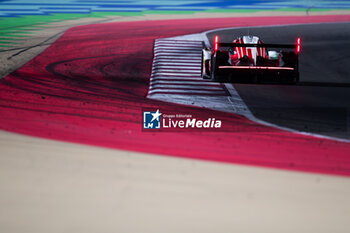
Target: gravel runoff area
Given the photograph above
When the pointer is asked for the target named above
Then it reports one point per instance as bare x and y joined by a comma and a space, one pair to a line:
51, 186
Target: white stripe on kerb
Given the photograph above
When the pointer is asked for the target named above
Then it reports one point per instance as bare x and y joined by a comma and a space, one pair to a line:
189, 54
179, 58
176, 71
197, 83
177, 61
199, 48
178, 74
153, 87
175, 78
176, 66
188, 91
172, 62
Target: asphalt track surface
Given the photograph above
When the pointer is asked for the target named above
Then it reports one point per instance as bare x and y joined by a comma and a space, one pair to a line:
89, 87
320, 102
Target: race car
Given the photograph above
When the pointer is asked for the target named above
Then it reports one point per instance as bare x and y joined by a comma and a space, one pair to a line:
247, 58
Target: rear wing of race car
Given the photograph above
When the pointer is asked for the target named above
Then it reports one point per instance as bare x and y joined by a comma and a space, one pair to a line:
296, 46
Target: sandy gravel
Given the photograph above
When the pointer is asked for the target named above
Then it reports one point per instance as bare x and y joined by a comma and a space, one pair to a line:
50, 186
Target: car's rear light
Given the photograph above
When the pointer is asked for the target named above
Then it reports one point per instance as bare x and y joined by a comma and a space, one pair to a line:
216, 43
298, 44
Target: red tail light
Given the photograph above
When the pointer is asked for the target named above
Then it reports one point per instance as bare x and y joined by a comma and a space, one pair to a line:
298, 44
216, 43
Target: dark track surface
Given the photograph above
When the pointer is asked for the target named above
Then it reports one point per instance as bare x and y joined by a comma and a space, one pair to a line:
320, 102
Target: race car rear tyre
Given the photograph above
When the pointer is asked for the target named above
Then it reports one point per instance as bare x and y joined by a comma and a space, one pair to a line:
205, 64
205, 70
213, 70
202, 61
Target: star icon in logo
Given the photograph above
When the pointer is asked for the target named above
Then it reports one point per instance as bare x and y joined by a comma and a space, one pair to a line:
156, 115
